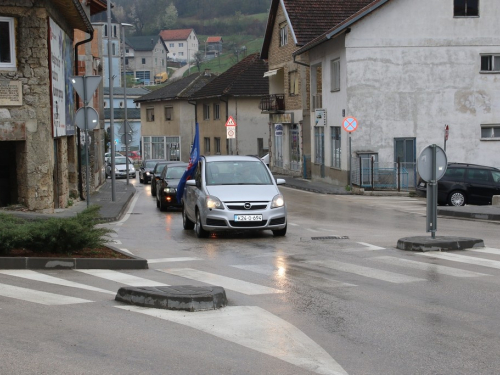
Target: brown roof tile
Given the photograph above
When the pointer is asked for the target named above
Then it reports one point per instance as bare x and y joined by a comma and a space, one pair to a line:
246, 78
181, 34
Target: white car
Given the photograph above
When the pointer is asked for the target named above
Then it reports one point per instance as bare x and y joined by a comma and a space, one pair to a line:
121, 168
233, 193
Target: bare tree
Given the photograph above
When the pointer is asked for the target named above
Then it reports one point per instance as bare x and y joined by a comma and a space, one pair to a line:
198, 59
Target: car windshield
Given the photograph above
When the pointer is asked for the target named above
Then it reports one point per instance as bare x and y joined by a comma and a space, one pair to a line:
237, 173
120, 160
151, 164
175, 173
159, 168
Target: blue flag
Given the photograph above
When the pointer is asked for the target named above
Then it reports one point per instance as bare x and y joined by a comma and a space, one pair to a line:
193, 163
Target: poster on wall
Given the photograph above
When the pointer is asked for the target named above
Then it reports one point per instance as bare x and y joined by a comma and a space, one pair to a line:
61, 67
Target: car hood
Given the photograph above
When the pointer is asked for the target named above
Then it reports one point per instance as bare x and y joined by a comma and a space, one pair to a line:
123, 167
172, 182
243, 192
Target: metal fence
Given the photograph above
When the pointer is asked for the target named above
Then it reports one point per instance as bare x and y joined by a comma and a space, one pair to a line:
369, 174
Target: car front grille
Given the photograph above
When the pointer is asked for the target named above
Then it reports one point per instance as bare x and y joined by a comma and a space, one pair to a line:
247, 224
216, 222
240, 206
277, 221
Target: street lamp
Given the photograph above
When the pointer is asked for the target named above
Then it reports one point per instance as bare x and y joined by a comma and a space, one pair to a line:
125, 119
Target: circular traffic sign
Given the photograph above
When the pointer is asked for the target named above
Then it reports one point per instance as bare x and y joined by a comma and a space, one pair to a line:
350, 124
424, 163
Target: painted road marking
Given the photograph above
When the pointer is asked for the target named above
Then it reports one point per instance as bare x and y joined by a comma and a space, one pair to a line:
37, 276
366, 271
428, 267
250, 326
130, 210
122, 278
36, 296
226, 282
463, 259
486, 250
180, 259
371, 247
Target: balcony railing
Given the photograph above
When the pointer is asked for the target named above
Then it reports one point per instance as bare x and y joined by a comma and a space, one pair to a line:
272, 103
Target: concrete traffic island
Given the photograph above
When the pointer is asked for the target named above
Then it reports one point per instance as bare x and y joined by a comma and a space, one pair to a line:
427, 243
181, 297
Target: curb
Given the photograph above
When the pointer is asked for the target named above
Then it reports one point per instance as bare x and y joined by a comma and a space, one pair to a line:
74, 263
469, 215
423, 244
120, 213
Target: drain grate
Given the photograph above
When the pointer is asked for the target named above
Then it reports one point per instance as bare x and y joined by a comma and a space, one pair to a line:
330, 238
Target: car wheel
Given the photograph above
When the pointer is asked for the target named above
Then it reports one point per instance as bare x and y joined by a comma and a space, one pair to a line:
163, 205
456, 198
200, 232
186, 223
279, 232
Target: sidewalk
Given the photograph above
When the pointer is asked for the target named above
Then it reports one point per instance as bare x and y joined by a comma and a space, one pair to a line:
110, 211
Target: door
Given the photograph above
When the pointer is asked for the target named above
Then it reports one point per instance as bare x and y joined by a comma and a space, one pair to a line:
480, 186
405, 152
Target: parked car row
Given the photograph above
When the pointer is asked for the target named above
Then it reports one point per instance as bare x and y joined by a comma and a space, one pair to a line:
466, 184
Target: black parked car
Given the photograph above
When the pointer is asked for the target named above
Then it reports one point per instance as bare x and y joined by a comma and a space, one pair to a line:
466, 184
166, 195
146, 168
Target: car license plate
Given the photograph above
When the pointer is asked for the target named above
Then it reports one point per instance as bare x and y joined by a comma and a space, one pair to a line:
247, 217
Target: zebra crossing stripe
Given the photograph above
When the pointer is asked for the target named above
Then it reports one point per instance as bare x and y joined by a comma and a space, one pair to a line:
180, 259
122, 278
37, 276
223, 281
486, 250
250, 327
463, 259
449, 271
366, 271
36, 296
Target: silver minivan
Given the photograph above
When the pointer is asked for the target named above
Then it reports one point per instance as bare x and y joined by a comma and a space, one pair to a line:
233, 193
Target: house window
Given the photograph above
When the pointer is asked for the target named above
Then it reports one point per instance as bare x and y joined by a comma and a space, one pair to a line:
283, 34
181, 44
207, 145
335, 146
171, 45
7, 43
490, 132
206, 112
126, 50
168, 113
150, 114
293, 83
143, 60
466, 8
105, 30
335, 75
114, 30
217, 146
490, 63
181, 53
216, 111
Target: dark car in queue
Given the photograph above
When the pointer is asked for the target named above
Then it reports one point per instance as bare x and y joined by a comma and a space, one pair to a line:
466, 184
146, 169
155, 175
166, 194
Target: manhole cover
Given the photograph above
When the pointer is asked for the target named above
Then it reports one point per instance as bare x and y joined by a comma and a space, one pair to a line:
330, 238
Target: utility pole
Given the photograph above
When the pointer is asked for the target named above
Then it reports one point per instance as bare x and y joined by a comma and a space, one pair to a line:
111, 105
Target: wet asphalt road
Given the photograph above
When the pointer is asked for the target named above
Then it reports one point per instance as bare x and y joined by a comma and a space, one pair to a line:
334, 296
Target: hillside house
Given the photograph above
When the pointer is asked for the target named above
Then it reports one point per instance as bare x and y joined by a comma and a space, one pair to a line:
182, 44
145, 57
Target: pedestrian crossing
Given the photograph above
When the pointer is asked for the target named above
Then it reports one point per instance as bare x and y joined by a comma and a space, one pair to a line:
388, 267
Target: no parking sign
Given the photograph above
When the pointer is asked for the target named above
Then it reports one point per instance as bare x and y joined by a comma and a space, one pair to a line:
350, 124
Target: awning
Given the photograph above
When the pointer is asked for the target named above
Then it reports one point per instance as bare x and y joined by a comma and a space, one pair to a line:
270, 73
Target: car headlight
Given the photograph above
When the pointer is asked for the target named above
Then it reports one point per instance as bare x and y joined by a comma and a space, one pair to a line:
278, 201
214, 202
170, 190
147, 173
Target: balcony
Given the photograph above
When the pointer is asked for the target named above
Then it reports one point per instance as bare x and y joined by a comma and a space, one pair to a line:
272, 103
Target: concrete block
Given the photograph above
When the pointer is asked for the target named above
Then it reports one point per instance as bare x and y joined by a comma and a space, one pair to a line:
496, 200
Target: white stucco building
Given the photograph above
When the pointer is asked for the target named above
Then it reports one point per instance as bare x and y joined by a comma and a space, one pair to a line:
406, 69
182, 44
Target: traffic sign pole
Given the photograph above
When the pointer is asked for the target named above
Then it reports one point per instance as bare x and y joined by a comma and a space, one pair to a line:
87, 169
350, 124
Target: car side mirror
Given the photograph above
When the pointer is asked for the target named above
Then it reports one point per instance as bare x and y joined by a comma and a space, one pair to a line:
280, 181
191, 183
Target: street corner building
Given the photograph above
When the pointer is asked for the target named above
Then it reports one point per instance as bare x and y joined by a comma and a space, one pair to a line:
39, 157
